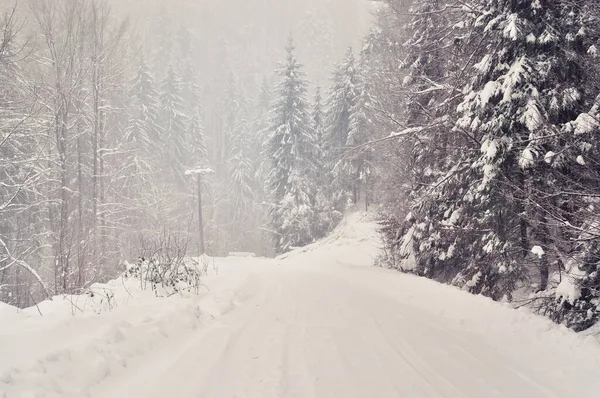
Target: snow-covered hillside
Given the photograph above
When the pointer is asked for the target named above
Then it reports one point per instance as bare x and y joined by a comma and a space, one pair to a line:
319, 322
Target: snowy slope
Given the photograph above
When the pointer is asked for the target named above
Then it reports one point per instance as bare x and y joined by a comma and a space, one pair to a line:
315, 323
80, 341
354, 241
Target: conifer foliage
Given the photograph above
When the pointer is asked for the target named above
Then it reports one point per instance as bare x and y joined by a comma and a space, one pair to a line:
173, 117
326, 216
340, 104
293, 152
498, 98
143, 128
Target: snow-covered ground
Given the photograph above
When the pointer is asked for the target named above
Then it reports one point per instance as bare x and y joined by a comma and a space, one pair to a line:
315, 323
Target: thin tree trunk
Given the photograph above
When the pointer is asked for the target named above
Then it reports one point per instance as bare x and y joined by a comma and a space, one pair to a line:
367, 198
544, 263
80, 255
62, 258
200, 219
523, 234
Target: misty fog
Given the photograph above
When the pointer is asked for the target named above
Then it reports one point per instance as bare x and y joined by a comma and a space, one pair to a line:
111, 104
254, 32
145, 143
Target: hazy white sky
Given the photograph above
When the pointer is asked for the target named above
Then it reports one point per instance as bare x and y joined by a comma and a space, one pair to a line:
256, 30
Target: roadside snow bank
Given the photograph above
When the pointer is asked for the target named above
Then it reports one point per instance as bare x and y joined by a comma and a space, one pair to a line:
355, 242
81, 339
508, 330
10, 314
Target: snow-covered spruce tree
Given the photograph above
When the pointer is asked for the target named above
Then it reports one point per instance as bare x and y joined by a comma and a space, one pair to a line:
143, 129
230, 107
383, 67
173, 120
527, 81
341, 101
196, 134
242, 185
565, 186
175, 203
260, 132
222, 226
326, 216
318, 120
422, 231
142, 154
190, 90
360, 155
240, 165
292, 150
261, 164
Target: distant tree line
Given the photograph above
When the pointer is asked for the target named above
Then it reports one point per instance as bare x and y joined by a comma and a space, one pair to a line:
101, 119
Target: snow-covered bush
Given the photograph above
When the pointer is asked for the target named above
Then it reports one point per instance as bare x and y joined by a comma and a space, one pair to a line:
397, 250
575, 301
164, 267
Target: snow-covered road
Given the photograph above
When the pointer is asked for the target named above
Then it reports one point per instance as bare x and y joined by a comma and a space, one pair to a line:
325, 333
320, 323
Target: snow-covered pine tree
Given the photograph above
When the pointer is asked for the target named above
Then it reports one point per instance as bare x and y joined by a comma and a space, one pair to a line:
564, 177
229, 109
361, 155
382, 59
224, 118
261, 164
528, 80
318, 121
143, 129
292, 150
177, 156
191, 110
260, 132
326, 216
196, 134
173, 120
341, 101
433, 155
143, 143
240, 166
242, 186
190, 90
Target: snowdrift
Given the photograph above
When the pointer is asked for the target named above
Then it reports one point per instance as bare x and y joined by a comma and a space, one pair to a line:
80, 340
82, 344
354, 241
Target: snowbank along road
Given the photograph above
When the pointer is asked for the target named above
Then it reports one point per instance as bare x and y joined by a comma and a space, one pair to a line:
317, 323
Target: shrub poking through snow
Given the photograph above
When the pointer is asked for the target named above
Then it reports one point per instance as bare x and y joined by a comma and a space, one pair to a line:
164, 267
576, 301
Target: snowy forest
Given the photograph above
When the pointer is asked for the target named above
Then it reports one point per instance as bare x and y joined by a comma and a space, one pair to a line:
470, 126
109, 110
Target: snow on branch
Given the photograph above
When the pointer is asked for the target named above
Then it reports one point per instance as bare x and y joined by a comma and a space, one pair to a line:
200, 171
23, 264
